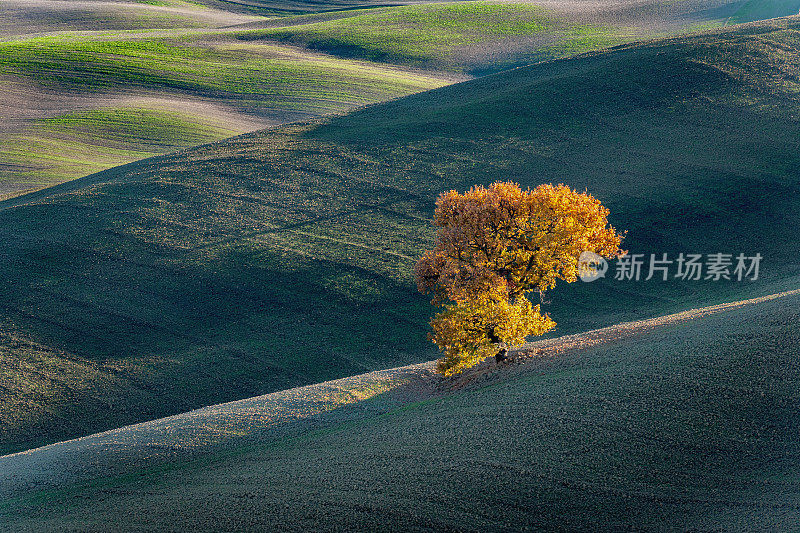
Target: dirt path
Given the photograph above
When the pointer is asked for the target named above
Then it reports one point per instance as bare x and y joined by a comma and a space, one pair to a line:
288, 412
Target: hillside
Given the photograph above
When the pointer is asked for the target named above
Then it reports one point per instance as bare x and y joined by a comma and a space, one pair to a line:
479, 37
284, 257
472, 37
77, 104
684, 422
25, 18
85, 86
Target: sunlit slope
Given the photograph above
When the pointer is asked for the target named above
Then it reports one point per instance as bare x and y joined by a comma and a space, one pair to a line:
460, 36
79, 104
215, 69
20, 18
691, 425
284, 257
209, 70
489, 36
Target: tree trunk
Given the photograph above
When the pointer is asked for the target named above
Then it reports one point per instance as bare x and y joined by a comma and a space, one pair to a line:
502, 355
493, 338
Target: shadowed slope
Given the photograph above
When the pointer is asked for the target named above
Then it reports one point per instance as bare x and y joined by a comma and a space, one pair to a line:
753, 10
685, 422
284, 257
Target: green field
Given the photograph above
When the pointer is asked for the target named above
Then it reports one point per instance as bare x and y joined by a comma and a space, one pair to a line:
83, 142
453, 36
273, 77
247, 65
132, 126
688, 426
753, 10
188, 91
480, 37
284, 257
20, 18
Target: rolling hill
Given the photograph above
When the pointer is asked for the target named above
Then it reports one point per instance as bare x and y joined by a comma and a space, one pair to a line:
26, 18
472, 37
77, 104
90, 85
685, 422
480, 37
283, 257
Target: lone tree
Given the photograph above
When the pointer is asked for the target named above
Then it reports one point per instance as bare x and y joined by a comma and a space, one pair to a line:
495, 245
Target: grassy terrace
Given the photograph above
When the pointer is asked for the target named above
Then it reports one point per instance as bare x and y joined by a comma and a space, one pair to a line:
284, 257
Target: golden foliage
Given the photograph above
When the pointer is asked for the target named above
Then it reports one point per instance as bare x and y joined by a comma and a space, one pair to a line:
461, 328
494, 245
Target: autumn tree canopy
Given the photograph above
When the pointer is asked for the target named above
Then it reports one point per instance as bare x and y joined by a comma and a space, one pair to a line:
494, 246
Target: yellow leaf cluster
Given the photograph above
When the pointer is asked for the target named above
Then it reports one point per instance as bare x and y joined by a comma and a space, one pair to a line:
495, 244
461, 329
